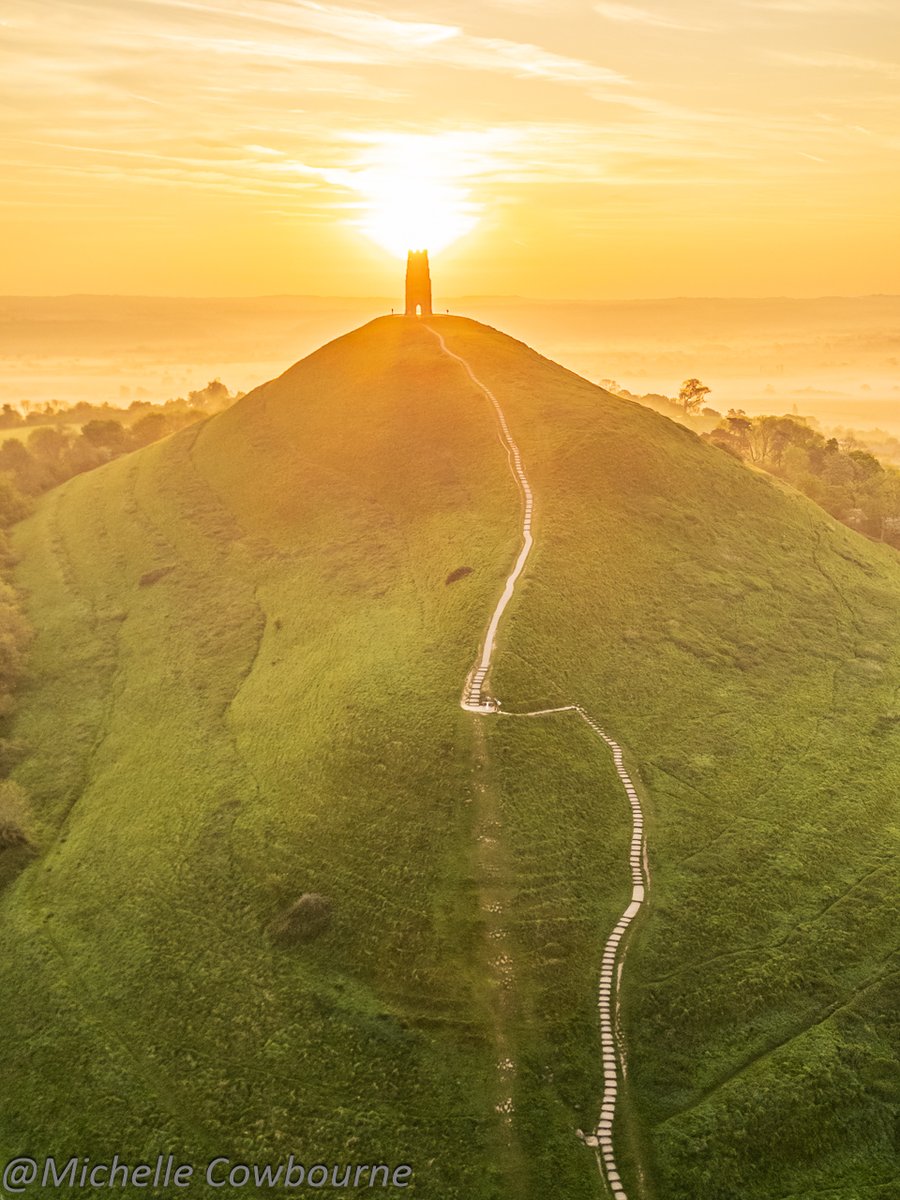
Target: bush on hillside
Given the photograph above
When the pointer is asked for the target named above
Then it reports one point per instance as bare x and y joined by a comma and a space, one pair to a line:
154, 576
305, 920
151, 428
111, 435
13, 505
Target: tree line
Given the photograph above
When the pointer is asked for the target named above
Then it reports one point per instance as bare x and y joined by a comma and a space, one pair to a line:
839, 473
846, 480
62, 442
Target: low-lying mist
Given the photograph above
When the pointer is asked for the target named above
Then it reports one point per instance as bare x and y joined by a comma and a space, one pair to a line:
834, 359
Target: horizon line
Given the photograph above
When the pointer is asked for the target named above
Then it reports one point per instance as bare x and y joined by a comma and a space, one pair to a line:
465, 296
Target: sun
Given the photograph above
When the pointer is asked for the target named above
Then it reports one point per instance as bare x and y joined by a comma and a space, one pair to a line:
406, 212
414, 195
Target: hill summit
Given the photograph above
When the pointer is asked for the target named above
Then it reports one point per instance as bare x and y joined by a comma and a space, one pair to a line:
275, 859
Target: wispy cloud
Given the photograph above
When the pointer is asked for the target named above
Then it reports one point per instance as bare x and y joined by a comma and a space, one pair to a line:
630, 14
342, 34
830, 60
109, 63
815, 8
331, 20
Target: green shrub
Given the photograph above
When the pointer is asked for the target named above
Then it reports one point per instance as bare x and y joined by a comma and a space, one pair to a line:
305, 920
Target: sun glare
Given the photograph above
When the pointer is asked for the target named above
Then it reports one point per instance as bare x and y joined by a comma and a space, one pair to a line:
414, 196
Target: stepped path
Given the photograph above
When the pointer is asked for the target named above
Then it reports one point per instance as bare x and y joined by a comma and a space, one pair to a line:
476, 699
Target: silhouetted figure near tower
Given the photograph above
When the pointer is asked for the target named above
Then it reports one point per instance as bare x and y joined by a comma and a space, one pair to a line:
418, 284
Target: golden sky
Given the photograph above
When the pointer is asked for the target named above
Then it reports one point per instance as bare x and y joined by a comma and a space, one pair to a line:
246, 147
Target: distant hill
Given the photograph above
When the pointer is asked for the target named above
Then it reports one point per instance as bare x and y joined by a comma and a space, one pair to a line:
254, 923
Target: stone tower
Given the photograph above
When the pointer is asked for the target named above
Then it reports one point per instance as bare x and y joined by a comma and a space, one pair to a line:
418, 284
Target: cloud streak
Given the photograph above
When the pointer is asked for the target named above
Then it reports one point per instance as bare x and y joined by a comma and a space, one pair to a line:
828, 60
818, 8
629, 14
332, 33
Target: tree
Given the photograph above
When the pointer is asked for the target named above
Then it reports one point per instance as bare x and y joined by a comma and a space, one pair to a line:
150, 428
610, 385
10, 417
738, 425
212, 398
13, 505
26, 472
48, 447
883, 505
692, 395
108, 434
48, 444
865, 465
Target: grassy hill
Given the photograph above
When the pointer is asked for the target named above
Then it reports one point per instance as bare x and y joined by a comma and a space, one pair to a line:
245, 690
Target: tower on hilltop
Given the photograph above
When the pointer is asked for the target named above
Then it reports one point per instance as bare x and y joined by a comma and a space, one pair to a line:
418, 284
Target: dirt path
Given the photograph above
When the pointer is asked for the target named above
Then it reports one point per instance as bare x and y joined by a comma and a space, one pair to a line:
476, 699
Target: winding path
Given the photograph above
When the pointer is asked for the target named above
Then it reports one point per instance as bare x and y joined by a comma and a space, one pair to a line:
476, 699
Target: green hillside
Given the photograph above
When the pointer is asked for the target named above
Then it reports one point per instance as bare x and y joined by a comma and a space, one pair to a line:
245, 689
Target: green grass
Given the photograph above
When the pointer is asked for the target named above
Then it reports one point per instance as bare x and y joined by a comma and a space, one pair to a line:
277, 713
744, 648
564, 822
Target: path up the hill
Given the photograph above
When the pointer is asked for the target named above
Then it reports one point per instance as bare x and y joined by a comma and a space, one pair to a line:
476, 699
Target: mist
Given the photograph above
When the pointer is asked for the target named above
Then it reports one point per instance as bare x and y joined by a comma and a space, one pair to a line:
835, 360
